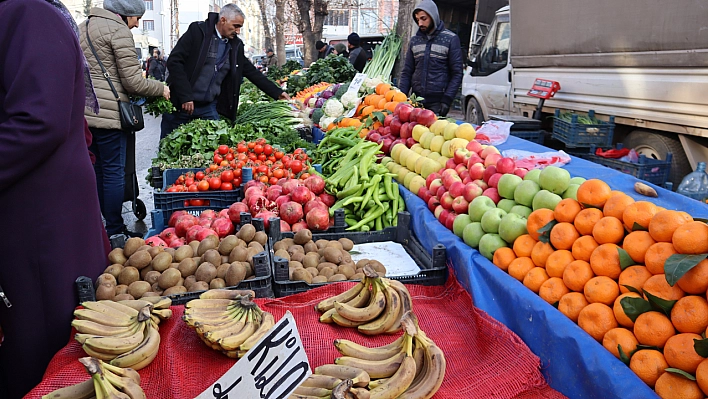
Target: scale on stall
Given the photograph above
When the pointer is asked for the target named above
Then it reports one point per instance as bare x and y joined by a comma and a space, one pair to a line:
530, 128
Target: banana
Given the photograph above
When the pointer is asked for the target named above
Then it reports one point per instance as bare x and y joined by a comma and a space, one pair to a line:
163, 314
227, 294
398, 382
123, 308
326, 317
106, 390
389, 316
361, 299
102, 318
117, 345
374, 383
434, 374
193, 319
344, 322
203, 328
360, 393
341, 391
123, 372
136, 304
419, 357
406, 298
267, 322
375, 368
98, 355
93, 328
359, 377
296, 396
82, 390
345, 296
125, 384
160, 302
396, 326
312, 391
321, 381
102, 307
211, 303
228, 329
147, 349
350, 348
232, 342
376, 306
81, 338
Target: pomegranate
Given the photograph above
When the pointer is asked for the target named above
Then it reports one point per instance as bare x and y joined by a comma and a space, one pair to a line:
168, 235
203, 233
316, 184
208, 214
183, 223
266, 216
281, 200
290, 185
205, 222
252, 201
284, 226
224, 213
273, 192
310, 205
192, 233
174, 216
282, 181
253, 192
254, 183
178, 242
291, 212
298, 226
328, 199
223, 227
318, 219
235, 211
301, 195
156, 241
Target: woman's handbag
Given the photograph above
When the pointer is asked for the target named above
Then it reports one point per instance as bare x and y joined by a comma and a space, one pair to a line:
131, 115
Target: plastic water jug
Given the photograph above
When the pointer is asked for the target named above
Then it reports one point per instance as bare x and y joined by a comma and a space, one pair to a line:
695, 184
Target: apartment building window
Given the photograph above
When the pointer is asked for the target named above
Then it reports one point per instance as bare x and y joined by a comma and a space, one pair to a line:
148, 4
337, 18
148, 24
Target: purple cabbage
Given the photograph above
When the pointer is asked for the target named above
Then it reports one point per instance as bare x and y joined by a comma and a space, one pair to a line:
320, 102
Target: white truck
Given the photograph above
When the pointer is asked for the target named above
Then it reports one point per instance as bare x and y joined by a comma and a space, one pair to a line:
644, 62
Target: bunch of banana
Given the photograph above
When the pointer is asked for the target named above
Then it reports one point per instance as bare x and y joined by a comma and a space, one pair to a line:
124, 333
374, 306
332, 379
107, 381
228, 321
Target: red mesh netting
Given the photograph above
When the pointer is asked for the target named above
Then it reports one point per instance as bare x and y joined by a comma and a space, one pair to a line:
484, 358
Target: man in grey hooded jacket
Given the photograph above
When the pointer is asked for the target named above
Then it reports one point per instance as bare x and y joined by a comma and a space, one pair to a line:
433, 67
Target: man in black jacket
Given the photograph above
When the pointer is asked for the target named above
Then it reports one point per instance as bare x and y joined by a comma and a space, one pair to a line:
323, 49
206, 68
357, 55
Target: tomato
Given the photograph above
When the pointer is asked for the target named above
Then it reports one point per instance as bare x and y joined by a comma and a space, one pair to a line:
267, 149
199, 176
203, 185
263, 179
188, 181
180, 179
296, 166
171, 189
242, 157
251, 145
223, 149
186, 203
252, 156
237, 172
273, 181
213, 167
218, 158
192, 188
262, 169
236, 182
271, 158
227, 176
258, 149
224, 163
226, 186
229, 157
241, 148
196, 202
262, 157
304, 176
278, 154
214, 183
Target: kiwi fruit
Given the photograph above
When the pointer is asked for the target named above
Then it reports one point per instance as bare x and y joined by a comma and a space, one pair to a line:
261, 237
205, 272
310, 247
346, 243
169, 278
318, 279
123, 297
138, 288
298, 257
174, 290
283, 254
121, 289
256, 245
327, 272
302, 237
321, 243
302, 275
195, 247
322, 265
357, 276
295, 265
346, 270
311, 260
105, 291
117, 256
346, 257
155, 288
222, 269
288, 242
170, 251
334, 244
114, 269
280, 245
238, 254
250, 271
144, 247
212, 256
246, 233
183, 252
333, 255
174, 265
199, 286
189, 282
132, 245
378, 266
149, 294
361, 263
161, 262
313, 271
153, 251
140, 259
210, 242
128, 275
236, 273
187, 267
151, 277
227, 244
145, 270
106, 278
338, 277
296, 248
217, 283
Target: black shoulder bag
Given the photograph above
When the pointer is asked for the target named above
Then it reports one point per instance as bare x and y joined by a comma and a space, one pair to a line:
131, 115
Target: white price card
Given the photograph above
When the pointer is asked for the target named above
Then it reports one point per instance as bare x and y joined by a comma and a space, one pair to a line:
272, 369
356, 83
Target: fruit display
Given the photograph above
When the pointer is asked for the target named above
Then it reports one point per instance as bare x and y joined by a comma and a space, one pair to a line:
122, 333
228, 321
374, 306
224, 178
321, 261
107, 381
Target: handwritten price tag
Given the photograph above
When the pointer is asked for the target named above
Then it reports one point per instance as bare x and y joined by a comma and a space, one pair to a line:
272, 369
356, 82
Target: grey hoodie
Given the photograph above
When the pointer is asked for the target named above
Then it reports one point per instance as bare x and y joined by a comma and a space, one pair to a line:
432, 10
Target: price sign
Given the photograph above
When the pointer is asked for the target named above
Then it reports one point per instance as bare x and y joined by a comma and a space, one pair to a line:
356, 83
272, 369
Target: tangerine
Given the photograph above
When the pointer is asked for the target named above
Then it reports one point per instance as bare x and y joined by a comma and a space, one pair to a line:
535, 278
633, 276
656, 256
690, 314
674, 386
519, 267
653, 328
586, 219
571, 304
605, 261
502, 257
620, 337
618, 310
552, 290
601, 289
639, 213
593, 193
540, 253
597, 319
659, 287
664, 223
608, 230
537, 220
695, 281
566, 210
523, 245
616, 204
583, 247
680, 354
691, 238
636, 244
648, 365
563, 235
557, 261
577, 274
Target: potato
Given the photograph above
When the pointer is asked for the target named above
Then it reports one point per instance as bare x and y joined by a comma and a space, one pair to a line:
235, 274
153, 251
123, 297
283, 254
187, 267
117, 256
132, 245
212, 256
128, 275
183, 252
169, 278
121, 289
199, 286
302, 237
140, 259
189, 282
346, 243
210, 242
227, 244
313, 271
138, 288
105, 291
338, 277
302, 275
333, 255
217, 283
246, 233
319, 279
114, 269
261, 237
174, 290
161, 261
222, 269
205, 272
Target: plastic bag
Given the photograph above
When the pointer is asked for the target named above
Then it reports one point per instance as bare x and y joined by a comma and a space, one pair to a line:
632, 157
537, 160
494, 132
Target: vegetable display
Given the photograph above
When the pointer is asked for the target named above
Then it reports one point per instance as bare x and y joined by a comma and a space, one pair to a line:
385, 55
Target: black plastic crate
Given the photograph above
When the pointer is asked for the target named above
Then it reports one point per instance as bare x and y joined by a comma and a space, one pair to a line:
433, 267
651, 170
156, 177
536, 136
173, 201
575, 134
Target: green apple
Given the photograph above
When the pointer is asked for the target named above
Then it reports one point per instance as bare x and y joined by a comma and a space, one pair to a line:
571, 192
479, 206
524, 192
506, 205
577, 180
511, 227
533, 175
546, 199
523, 211
554, 179
472, 233
491, 220
507, 184
489, 243
461, 221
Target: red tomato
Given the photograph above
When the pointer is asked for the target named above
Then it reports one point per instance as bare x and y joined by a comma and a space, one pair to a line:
226, 186
199, 175
251, 145
242, 157
229, 157
171, 189
262, 157
223, 149
192, 188
241, 148
271, 158
252, 156
188, 181
279, 173
267, 149
237, 172
218, 158
279, 154
296, 166
258, 149
180, 179
236, 182
214, 183
263, 179
213, 166
196, 202
227, 176
203, 185
262, 169
273, 181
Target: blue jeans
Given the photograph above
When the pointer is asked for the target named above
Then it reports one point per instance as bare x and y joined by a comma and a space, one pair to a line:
172, 121
108, 146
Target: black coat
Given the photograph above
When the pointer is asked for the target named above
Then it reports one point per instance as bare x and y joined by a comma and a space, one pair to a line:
358, 58
189, 55
157, 68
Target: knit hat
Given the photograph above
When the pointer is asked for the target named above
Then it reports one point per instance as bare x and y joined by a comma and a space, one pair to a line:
319, 44
340, 47
126, 8
270, 50
353, 39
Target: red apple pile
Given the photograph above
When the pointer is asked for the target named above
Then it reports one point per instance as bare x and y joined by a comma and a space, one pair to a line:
398, 126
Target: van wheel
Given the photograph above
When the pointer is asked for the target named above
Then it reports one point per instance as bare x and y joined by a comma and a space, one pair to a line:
656, 146
473, 113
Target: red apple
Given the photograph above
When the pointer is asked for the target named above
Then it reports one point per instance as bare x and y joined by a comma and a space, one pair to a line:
438, 211
461, 156
459, 168
474, 146
396, 126
521, 172
491, 159
489, 172
493, 194
442, 190
404, 112
472, 191
446, 200
494, 180
456, 189
435, 185
433, 203
474, 158
450, 164
476, 170
506, 165
449, 179
387, 120
467, 180
431, 177
426, 117
449, 220
415, 114
481, 183
460, 205
442, 217
465, 174
424, 194
410, 142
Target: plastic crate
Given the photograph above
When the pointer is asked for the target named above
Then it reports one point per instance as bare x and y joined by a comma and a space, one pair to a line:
274, 233
574, 134
172, 201
156, 177
648, 169
433, 267
536, 136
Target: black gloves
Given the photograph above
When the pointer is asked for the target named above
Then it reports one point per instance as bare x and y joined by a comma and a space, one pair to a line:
444, 109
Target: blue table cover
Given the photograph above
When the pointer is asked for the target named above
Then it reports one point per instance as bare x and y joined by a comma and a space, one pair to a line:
572, 362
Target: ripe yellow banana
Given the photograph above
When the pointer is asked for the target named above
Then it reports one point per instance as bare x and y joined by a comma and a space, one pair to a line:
211, 303
232, 342
159, 302
350, 348
108, 310
147, 349
296, 396
228, 329
105, 319
93, 328
267, 322
375, 368
376, 305
432, 380
312, 391
117, 345
203, 318
227, 294
375, 383
321, 381
389, 315
98, 355
136, 304
81, 338
398, 382
360, 393
163, 314
122, 307
326, 317
82, 390
203, 328
345, 296
123, 372
359, 377
406, 298
125, 384
344, 322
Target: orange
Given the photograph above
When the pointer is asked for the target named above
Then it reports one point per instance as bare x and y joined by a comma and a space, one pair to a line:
382, 88
702, 376
523, 245
674, 386
633, 276
679, 352
639, 212
605, 261
636, 244
519, 267
535, 278
648, 365
540, 253
388, 95
656, 255
657, 286
366, 111
601, 289
653, 328
381, 104
571, 304
566, 210
608, 230
616, 204
621, 317
597, 319
586, 219
391, 106
583, 247
593, 193
577, 274
691, 238
503, 256
563, 235
400, 97
536, 220
690, 314
664, 223
557, 261
552, 290
695, 281
620, 337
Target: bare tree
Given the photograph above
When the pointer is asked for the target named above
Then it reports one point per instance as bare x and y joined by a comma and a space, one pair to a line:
280, 23
268, 33
311, 26
404, 29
